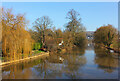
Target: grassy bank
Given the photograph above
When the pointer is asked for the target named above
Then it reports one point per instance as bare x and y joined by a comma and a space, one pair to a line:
33, 56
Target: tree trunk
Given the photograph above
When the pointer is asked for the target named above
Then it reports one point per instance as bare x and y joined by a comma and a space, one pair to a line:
43, 42
4, 48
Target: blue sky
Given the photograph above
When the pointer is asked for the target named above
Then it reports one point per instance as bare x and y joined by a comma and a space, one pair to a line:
93, 14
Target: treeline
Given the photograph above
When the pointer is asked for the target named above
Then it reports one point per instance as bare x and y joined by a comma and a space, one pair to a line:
74, 34
18, 42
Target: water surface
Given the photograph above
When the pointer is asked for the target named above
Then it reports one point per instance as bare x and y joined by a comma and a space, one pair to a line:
88, 63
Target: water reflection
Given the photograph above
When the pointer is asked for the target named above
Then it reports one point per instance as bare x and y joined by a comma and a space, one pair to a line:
76, 51
77, 63
73, 65
21, 70
69, 68
105, 60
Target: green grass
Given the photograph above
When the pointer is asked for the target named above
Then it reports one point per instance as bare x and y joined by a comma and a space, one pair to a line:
4, 59
37, 52
1, 58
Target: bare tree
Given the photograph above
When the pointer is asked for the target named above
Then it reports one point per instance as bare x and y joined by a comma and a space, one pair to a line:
40, 25
74, 28
74, 24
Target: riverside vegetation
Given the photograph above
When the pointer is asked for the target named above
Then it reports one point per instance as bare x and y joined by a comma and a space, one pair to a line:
20, 42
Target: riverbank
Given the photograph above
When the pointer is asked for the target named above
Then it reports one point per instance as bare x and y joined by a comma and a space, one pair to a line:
115, 50
28, 58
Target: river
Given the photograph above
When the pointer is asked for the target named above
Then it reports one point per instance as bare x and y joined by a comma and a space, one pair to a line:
88, 63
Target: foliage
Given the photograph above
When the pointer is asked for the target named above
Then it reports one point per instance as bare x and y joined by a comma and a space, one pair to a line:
37, 52
105, 35
15, 39
80, 40
37, 46
75, 31
41, 25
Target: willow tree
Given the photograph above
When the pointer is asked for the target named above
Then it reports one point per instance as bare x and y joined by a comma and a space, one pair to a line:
15, 39
41, 25
105, 35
